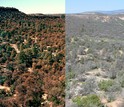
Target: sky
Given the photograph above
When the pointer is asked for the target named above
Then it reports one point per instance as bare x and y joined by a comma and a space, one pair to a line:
36, 6
78, 6
62, 6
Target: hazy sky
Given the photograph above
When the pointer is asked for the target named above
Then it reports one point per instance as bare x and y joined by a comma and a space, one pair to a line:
77, 6
62, 6
36, 6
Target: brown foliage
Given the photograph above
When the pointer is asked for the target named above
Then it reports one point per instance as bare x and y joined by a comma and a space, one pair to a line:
42, 44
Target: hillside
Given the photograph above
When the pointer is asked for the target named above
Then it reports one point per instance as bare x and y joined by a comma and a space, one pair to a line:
32, 60
96, 24
94, 60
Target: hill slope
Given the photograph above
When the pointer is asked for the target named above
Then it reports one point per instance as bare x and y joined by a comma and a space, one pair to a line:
32, 60
96, 24
95, 60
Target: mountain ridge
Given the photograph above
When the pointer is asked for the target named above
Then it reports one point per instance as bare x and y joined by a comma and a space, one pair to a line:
110, 12
8, 9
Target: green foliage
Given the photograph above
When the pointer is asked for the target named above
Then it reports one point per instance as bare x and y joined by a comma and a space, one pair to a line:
88, 101
2, 93
59, 25
25, 58
59, 57
3, 59
105, 84
12, 88
22, 57
9, 49
35, 51
2, 80
10, 66
63, 16
35, 101
43, 26
3, 34
56, 100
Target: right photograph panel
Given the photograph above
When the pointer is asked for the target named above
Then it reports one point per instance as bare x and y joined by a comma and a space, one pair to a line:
94, 53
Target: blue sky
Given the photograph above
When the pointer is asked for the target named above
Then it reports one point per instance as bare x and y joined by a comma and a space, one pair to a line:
77, 6
36, 6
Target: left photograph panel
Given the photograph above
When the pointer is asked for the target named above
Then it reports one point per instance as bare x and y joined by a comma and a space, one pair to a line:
32, 53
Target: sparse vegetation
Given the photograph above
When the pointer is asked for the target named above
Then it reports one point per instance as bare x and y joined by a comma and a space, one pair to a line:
105, 84
88, 101
95, 56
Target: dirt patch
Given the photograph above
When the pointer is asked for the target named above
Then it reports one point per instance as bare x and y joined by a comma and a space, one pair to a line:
15, 47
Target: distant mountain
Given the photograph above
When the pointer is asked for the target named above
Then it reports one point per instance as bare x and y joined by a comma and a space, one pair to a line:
40, 15
114, 12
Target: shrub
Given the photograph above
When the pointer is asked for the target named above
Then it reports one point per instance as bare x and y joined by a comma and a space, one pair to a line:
111, 96
63, 16
2, 80
70, 75
89, 86
2, 104
121, 80
2, 93
10, 66
112, 73
25, 58
105, 84
116, 87
88, 101
90, 65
